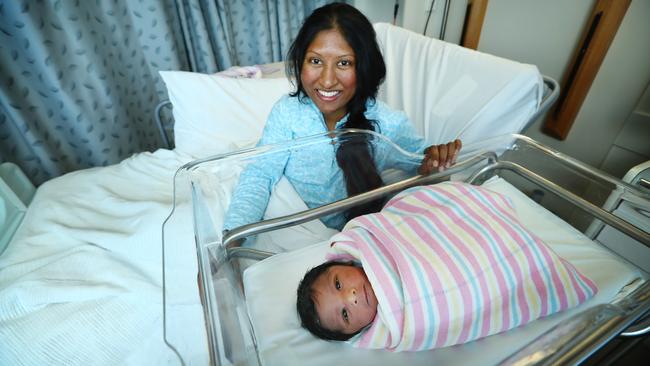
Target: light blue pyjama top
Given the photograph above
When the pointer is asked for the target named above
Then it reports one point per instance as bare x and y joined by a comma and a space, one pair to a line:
313, 171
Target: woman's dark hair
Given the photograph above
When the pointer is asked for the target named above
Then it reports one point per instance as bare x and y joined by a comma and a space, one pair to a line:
307, 307
354, 155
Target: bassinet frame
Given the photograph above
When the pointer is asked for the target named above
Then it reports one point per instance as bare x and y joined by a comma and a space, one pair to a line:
569, 343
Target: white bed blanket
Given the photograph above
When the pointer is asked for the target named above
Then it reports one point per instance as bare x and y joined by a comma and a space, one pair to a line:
80, 284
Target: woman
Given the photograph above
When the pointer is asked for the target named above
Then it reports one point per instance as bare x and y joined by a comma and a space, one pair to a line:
338, 67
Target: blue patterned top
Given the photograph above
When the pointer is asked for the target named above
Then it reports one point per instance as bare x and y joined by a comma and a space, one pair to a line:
313, 171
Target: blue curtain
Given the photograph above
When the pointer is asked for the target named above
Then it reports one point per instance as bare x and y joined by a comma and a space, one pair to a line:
225, 33
79, 79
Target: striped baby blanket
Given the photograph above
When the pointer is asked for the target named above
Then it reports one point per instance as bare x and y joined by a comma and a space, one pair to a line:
450, 263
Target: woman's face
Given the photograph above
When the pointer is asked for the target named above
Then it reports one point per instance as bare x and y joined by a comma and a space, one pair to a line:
328, 75
345, 300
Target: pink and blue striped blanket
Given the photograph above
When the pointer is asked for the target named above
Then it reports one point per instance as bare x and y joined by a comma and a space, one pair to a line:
450, 263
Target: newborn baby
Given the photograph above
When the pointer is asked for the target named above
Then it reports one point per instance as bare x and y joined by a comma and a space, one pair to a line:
439, 265
336, 301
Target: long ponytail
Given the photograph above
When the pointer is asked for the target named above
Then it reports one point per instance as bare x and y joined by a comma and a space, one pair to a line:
355, 158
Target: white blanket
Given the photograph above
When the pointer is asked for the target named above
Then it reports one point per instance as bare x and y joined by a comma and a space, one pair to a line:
80, 284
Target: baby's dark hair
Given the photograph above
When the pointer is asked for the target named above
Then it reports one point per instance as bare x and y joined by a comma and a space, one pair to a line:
307, 307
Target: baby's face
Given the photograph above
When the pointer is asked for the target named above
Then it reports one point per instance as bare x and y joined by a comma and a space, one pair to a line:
344, 299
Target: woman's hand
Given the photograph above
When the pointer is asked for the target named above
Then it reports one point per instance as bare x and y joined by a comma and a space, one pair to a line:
439, 157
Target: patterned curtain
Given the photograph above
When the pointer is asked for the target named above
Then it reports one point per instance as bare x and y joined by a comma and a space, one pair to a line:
225, 33
79, 79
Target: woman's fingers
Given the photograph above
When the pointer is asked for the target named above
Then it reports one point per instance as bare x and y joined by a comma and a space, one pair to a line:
425, 166
457, 146
443, 152
440, 156
432, 157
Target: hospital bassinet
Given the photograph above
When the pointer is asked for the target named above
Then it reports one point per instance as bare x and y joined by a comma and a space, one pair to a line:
249, 310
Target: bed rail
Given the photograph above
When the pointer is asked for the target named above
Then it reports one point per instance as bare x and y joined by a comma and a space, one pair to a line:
568, 343
233, 238
549, 96
571, 342
581, 203
164, 126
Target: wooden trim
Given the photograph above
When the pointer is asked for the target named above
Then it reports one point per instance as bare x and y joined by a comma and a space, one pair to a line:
474, 17
605, 19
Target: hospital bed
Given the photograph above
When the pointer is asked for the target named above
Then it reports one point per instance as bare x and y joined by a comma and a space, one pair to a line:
81, 280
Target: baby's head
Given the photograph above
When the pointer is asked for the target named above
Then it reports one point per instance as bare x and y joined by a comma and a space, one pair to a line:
336, 301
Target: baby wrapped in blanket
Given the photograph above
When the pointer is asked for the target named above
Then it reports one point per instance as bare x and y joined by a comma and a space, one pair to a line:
439, 265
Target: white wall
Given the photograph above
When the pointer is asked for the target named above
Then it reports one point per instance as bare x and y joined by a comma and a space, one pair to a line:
542, 33
644, 103
545, 33
632, 143
376, 10
413, 15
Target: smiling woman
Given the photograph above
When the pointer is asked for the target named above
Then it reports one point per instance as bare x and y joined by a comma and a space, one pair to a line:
337, 66
328, 75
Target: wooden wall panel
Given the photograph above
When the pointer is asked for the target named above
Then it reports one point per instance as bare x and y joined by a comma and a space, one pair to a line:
599, 33
473, 23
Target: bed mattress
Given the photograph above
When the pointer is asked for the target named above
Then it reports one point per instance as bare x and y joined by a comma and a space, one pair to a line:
270, 297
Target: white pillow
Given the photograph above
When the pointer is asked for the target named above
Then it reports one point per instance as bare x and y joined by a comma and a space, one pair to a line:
452, 92
215, 114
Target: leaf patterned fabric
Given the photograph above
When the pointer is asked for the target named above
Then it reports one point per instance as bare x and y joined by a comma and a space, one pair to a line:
79, 79
251, 32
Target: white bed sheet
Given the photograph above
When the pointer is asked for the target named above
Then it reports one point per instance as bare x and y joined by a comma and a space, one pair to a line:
270, 294
80, 284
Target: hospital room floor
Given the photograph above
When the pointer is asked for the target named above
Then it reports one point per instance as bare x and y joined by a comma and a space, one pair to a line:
626, 352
